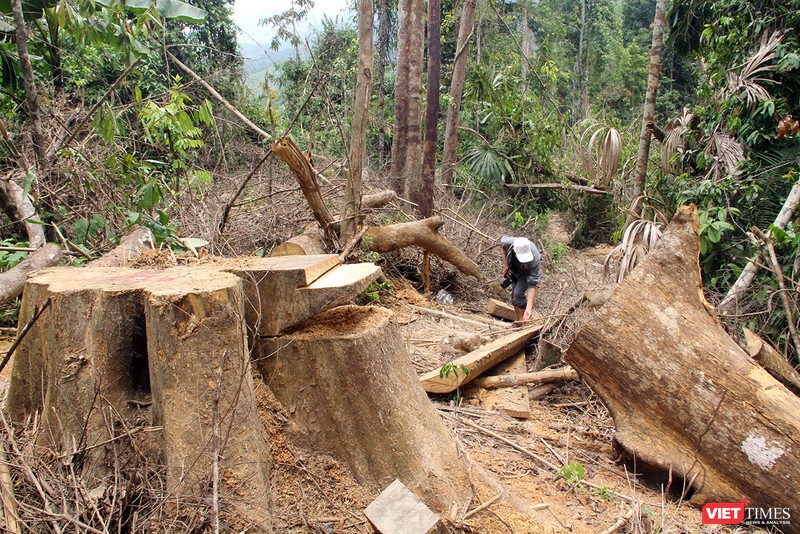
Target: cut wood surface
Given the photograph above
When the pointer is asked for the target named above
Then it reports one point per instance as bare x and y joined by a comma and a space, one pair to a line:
310, 242
772, 360
501, 309
512, 400
479, 361
686, 399
565, 374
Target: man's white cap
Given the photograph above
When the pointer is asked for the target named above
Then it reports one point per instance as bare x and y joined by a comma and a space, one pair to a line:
523, 248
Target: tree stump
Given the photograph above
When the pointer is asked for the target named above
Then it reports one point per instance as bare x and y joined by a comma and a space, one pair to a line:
110, 339
685, 398
384, 427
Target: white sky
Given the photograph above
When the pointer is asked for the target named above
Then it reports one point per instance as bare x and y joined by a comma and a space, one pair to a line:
247, 13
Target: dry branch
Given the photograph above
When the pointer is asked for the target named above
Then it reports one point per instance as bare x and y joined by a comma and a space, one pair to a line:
571, 187
565, 374
16, 204
13, 281
424, 234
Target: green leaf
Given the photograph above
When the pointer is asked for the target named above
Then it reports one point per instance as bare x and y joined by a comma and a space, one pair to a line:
196, 242
175, 9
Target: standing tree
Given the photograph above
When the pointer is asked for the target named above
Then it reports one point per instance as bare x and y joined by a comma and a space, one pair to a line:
383, 48
422, 190
457, 91
407, 139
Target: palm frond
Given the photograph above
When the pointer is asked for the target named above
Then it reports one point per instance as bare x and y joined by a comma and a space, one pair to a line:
674, 139
638, 239
600, 159
749, 78
724, 152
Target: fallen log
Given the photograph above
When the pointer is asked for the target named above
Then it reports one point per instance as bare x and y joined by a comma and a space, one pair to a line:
565, 374
771, 360
478, 361
378, 200
310, 242
686, 399
12, 281
424, 234
501, 309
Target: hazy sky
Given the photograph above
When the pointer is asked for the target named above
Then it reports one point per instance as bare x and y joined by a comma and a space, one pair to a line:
247, 13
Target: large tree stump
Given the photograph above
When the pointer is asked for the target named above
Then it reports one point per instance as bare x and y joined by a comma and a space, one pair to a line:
685, 397
383, 427
110, 339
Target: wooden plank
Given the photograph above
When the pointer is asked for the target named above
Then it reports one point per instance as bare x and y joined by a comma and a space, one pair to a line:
398, 511
513, 400
500, 309
478, 361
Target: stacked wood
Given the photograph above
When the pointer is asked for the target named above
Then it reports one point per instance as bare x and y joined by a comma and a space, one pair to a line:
685, 398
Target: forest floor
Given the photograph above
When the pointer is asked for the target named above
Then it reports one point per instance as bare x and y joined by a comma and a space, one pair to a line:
315, 493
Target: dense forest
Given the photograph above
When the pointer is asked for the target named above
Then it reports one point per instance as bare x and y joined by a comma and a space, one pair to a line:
607, 115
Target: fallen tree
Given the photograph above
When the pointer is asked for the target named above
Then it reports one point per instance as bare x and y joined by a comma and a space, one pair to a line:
685, 398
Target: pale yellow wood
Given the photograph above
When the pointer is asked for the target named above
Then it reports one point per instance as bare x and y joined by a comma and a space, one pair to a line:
346, 275
478, 361
514, 400
500, 309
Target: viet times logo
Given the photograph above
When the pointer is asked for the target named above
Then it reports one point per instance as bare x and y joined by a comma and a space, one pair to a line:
735, 513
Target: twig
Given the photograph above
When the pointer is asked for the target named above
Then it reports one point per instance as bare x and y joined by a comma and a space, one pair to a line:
228, 205
351, 244
18, 249
445, 315
215, 446
512, 444
36, 314
465, 224
483, 506
620, 522
7, 493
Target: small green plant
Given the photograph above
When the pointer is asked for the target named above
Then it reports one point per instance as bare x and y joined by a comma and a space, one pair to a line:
604, 493
10, 258
572, 473
373, 292
557, 251
519, 220
450, 367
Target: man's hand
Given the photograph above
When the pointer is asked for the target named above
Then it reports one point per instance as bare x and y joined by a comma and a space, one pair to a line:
527, 315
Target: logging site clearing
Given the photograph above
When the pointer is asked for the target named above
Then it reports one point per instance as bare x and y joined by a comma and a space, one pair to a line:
196, 393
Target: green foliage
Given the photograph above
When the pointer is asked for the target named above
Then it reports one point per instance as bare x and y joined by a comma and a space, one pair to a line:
713, 223
373, 292
10, 258
450, 367
572, 473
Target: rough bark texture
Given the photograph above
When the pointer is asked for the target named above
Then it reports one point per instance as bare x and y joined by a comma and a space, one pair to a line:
424, 234
685, 397
384, 427
310, 242
383, 46
358, 136
540, 377
457, 91
130, 247
113, 337
653, 76
773, 361
421, 190
407, 136
12, 281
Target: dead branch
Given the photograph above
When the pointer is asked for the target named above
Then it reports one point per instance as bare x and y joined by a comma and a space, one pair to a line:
424, 234
37, 312
12, 281
565, 374
228, 205
16, 204
773, 361
378, 200
572, 187
10, 513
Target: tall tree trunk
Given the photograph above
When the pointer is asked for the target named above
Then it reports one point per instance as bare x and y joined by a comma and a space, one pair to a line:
457, 91
525, 32
407, 141
422, 190
383, 46
653, 76
31, 96
358, 139
581, 65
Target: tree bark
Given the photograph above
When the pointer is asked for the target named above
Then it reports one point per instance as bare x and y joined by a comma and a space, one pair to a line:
424, 234
383, 46
565, 374
358, 138
457, 91
407, 141
20, 210
12, 281
653, 77
421, 191
31, 94
383, 427
684, 396
773, 361
310, 242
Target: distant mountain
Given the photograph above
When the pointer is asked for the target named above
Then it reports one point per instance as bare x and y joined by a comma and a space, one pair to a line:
259, 59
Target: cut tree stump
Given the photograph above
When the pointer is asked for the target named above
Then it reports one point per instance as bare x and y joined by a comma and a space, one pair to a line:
685, 398
384, 427
512, 400
478, 361
111, 339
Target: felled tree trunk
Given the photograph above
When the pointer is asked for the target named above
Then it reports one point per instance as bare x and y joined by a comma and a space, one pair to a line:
685, 397
424, 234
383, 426
311, 241
13, 280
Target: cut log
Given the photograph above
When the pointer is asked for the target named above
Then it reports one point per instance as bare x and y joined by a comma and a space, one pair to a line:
685, 398
384, 427
566, 374
113, 337
771, 360
424, 234
501, 309
378, 200
130, 247
478, 361
310, 242
12, 281
512, 400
